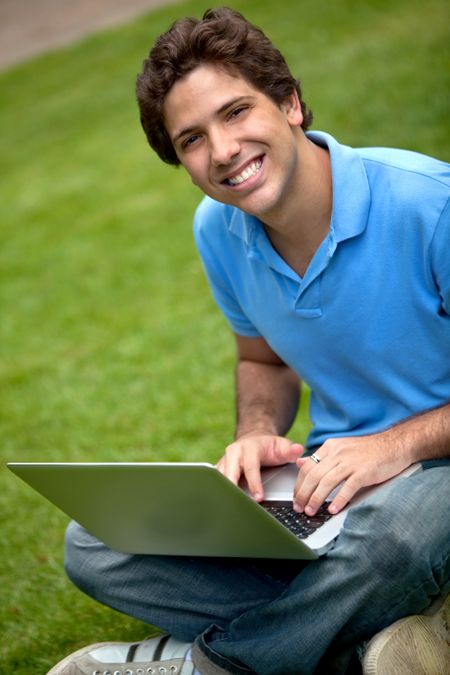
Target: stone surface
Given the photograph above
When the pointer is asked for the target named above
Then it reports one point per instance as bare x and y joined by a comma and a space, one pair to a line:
30, 27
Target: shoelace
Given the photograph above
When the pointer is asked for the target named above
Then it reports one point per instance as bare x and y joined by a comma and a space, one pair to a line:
162, 670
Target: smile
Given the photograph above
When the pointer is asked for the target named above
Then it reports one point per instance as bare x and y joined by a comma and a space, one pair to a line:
251, 170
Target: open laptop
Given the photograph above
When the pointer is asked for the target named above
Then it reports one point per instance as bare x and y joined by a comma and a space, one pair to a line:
186, 509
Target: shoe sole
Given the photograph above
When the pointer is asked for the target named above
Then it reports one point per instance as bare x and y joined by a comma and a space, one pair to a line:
56, 670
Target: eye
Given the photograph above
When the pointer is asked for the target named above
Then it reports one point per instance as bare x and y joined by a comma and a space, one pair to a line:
236, 112
190, 140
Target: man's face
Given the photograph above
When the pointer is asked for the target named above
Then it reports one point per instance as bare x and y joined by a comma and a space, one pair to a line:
238, 146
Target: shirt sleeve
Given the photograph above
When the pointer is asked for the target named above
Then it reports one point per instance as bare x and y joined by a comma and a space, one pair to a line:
440, 256
216, 253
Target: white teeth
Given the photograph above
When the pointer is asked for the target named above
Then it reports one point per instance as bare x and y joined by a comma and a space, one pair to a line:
247, 173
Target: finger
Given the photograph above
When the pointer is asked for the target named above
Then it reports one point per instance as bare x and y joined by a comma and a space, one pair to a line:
306, 465
301, 461
344, 495
309, 462
302, 464
319, 496
306, 484
230, 466
233, 471
316, 486
252, 473
220, 466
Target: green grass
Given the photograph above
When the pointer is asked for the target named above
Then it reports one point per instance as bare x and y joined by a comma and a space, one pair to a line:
111, 347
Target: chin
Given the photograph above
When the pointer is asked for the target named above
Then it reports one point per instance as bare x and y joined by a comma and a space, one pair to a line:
259, 206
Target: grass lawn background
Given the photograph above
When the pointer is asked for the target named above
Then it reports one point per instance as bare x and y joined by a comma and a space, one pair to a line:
111, 346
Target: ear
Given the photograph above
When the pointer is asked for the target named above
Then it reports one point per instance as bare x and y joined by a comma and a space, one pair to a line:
293, 110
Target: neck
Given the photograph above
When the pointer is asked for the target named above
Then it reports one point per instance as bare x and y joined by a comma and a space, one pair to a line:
298, 231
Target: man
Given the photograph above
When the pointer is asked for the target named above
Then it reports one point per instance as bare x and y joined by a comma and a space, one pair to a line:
331, 264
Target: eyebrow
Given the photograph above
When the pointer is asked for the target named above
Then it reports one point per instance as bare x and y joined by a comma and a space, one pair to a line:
228, 104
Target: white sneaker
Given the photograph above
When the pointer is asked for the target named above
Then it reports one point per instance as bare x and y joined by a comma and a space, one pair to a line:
157, 656
416, 645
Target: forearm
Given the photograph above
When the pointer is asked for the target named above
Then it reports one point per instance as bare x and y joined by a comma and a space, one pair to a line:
267, 398
424, 436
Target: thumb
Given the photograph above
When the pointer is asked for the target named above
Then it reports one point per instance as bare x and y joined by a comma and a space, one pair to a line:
295, 450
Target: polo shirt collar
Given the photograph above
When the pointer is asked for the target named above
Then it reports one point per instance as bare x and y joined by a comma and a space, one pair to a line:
351, 192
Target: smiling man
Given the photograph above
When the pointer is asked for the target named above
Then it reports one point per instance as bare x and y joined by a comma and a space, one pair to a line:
331, 265
244, 149
238, 145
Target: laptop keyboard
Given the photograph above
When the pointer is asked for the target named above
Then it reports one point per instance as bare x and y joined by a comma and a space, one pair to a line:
298, 523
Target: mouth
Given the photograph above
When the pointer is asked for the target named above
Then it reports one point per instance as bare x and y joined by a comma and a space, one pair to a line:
245, 174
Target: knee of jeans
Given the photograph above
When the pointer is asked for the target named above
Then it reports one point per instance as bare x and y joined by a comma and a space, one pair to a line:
80, 557
402, 536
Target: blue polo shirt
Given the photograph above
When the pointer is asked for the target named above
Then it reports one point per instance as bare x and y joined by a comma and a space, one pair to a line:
368, 326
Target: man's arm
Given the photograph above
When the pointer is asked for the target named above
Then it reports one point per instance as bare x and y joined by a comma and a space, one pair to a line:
361, 461
267, 397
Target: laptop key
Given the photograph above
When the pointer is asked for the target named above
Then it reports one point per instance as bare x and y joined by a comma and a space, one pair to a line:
298, 523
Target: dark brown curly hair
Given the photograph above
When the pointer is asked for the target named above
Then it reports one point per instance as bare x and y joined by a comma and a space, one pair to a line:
223, 37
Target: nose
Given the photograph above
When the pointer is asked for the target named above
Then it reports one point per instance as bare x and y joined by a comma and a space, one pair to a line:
223, 147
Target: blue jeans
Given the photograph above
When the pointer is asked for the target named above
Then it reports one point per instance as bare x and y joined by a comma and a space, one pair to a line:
285, 617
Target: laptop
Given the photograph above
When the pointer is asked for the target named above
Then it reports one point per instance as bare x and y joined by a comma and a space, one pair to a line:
188, 509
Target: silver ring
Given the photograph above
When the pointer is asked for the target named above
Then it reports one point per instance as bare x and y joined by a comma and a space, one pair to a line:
315, 458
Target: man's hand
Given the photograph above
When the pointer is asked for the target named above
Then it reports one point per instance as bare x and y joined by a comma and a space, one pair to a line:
356, 462
267, 397
248, 454
360, 461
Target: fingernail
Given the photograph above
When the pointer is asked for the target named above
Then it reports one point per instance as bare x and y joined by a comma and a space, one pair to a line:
257, 496
309, 511
297, 508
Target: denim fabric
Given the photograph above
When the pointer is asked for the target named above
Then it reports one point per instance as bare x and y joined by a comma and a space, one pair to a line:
272, 617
